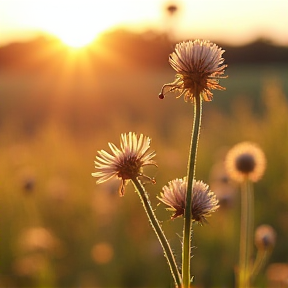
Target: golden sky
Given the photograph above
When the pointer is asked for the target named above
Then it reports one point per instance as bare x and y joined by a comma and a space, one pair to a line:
77, 21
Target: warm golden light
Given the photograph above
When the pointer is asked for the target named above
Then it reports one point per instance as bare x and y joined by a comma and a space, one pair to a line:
76, 40
78, 23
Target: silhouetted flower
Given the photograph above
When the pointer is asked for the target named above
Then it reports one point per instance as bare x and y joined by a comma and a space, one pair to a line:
265, 237
204, 201
172, 9
125, 163
245, 160
199, 66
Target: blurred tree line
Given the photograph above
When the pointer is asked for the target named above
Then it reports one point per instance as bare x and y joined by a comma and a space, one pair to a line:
149, 49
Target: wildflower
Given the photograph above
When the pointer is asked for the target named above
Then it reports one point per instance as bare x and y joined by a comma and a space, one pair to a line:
245, 160
204, 201
223, 187
125, 163
199, 66
265, 237
38, 239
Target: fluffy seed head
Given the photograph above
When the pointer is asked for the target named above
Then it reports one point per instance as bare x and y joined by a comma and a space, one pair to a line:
199, 66
204, 201
245, 160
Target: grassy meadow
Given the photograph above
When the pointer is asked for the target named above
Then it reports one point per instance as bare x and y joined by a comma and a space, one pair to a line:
58, 229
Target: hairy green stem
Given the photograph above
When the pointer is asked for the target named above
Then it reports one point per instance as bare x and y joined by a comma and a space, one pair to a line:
158, 230
246, 234
187, 230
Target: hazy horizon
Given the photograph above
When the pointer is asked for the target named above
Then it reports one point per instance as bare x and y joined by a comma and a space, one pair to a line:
232, 22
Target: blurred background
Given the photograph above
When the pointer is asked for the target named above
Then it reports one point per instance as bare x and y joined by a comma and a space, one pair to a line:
74, 75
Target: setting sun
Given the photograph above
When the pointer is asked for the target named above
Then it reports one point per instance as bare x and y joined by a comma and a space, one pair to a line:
78, 23
76, 37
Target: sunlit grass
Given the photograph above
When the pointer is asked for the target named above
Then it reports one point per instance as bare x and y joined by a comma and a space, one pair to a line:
52, 146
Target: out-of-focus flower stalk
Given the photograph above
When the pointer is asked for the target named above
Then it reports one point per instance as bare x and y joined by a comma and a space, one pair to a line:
260, 260
187, 230
246, 233
158, 230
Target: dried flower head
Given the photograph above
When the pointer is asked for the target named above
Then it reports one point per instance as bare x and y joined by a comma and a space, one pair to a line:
199, 66
245, 160
204, 201
125, 163
265, 237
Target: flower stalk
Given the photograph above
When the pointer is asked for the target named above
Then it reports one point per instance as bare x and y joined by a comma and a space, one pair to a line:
187, 230
260, 260
246, 233
199, 66
158, 230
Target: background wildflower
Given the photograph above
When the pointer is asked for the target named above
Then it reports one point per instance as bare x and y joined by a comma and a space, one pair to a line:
221, 184
265, 237
245, 160
125, 163
38, 239
199, 66
204, 201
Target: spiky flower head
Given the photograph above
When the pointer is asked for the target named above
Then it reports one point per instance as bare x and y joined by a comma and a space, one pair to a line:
125, 162
204, 201
199, 66
265, 237
245, 160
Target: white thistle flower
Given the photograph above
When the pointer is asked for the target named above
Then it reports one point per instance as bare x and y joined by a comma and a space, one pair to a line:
204, 201
199, 66
125, 162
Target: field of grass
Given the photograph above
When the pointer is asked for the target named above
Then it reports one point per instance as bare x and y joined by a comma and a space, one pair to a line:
58, 229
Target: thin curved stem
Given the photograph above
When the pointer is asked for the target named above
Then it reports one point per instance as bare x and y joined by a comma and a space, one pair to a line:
187, 230
261, 259
158, 230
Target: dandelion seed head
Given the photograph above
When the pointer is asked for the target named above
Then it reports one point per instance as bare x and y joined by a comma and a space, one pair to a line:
245, 160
